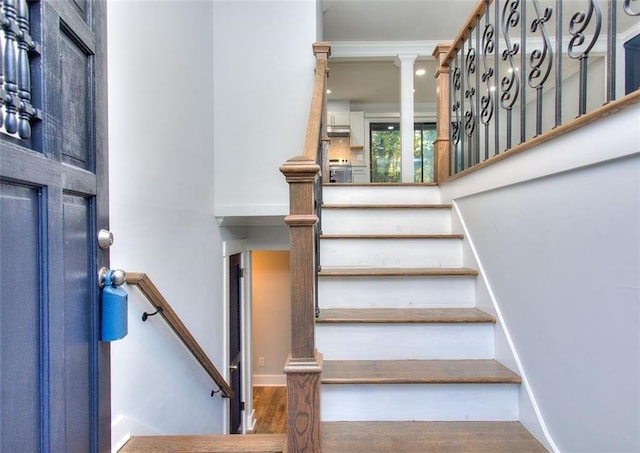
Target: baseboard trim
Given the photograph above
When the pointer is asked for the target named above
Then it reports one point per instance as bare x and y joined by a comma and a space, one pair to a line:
269, 380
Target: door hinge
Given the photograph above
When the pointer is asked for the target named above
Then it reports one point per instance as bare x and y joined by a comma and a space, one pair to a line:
241, 405
242, 272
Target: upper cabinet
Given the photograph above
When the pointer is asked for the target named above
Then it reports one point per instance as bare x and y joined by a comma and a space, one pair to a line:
338, 118
357, 129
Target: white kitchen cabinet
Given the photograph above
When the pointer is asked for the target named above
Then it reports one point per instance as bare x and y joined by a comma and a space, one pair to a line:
338, 118
357, 129
359, 174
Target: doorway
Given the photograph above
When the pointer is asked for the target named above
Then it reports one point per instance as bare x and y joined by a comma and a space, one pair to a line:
385, 151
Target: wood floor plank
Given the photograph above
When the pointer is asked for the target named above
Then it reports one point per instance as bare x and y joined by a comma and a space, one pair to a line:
270, 405
431, 437
395, 272
404, 315
251, 443
417, 372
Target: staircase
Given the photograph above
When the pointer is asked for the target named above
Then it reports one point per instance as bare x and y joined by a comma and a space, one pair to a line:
401, 337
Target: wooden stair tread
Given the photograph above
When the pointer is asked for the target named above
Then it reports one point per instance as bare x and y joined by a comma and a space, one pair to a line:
253, 443
404, 315
387, 206
395, 271
391, 236
432, 437
417, 372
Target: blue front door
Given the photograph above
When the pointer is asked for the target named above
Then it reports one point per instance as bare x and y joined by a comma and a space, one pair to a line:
54, 373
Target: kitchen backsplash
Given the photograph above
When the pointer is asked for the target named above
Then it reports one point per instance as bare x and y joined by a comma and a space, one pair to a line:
340, 148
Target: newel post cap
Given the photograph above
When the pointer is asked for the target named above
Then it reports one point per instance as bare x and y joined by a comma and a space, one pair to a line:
300, 169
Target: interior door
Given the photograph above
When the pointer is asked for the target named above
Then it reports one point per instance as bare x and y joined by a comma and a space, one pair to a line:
235, 343
54, 373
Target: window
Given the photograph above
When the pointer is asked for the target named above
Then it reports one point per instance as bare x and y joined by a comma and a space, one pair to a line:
386, 152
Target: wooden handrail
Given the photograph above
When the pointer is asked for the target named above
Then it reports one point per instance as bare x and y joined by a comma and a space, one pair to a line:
322, 51
153, 294
469, 25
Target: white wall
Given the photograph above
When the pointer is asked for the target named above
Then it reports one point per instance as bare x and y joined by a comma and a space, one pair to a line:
162, 196
557, 232
271, 289
263, 77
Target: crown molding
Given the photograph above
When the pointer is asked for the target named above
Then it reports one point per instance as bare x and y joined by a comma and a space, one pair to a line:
382, 49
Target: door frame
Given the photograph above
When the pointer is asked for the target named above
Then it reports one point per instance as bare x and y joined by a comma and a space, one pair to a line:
232, 248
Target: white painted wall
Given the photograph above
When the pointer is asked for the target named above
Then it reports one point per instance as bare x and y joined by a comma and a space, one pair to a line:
263, 77
557, 233
271, 289
162, 196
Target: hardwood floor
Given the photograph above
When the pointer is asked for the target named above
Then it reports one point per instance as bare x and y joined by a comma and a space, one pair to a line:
270, 405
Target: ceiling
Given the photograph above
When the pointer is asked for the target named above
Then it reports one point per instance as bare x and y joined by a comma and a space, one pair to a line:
377, 30
376, 79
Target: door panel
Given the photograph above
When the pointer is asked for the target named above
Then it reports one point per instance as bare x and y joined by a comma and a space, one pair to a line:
54, 376
20, 359
79, 335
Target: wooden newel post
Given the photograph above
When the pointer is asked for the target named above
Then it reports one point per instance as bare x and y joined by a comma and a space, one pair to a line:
443, 123
304, 365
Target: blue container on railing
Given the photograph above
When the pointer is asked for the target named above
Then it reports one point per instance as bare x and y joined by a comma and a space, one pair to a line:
113, 323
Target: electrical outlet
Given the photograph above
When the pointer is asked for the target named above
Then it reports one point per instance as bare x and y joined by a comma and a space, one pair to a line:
260, 361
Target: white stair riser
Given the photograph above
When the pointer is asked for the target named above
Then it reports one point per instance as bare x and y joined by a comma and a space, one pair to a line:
380, 194
396, 292
386, 221
405, 341
391, 252
423, 402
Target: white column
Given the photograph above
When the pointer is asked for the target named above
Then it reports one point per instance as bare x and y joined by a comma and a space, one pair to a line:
406, 114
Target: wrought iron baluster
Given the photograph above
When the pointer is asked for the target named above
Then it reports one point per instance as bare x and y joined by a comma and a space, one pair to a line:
496, 64
476, 82
455, 87
486, 102
558, 87
11, 32
522, 72
463, 71
611, 50
470, 94
578, 24
539, 58
510, 83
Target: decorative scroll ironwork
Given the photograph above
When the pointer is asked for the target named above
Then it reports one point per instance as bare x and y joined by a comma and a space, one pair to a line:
541, 60
627, 8
470, 92
518, 46
578, 50
486, 101
510, 83
18, 49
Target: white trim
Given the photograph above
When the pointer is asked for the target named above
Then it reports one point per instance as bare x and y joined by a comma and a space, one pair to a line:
496, 306
381, 49
269, 380
233, 247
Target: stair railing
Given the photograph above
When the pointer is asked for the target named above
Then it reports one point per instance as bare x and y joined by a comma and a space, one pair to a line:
304, 176
162, 307
503, 84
